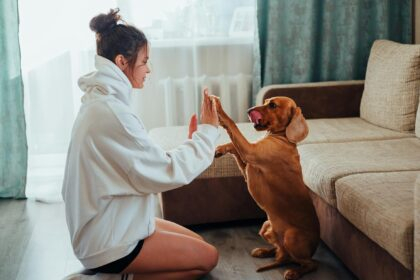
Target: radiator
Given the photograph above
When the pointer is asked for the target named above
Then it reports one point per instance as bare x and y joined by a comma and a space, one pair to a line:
182, 96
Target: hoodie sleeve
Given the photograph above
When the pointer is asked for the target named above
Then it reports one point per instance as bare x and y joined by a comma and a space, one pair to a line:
152, 169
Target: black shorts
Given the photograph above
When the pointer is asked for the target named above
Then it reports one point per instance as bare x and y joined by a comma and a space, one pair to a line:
119, 265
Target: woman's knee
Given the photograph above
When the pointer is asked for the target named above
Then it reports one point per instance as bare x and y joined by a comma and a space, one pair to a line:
210, 259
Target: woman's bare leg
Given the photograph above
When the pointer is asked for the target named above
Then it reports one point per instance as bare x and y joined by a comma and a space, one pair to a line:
173, 227
173, 255
168, 275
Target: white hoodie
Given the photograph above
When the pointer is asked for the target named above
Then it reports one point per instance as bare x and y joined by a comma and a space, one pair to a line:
113, 168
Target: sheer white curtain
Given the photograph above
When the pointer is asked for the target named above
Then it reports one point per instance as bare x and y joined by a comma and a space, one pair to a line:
191, 40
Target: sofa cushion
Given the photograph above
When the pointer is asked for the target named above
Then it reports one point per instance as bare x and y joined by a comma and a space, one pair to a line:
392, 85
381, 206
347, 130
320, 131
323, 164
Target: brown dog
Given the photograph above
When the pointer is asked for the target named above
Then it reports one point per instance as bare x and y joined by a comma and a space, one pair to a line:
272, 170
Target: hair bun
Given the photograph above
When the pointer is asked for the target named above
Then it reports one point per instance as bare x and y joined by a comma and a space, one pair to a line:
105, 22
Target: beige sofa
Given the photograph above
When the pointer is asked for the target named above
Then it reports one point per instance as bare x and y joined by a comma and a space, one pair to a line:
360, 161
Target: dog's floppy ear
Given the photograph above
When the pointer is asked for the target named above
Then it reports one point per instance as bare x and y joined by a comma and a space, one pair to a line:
297, 130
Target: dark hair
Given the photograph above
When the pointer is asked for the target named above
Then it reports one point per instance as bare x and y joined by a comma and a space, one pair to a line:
114, 38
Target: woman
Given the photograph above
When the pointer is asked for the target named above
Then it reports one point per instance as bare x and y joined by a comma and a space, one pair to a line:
113, 169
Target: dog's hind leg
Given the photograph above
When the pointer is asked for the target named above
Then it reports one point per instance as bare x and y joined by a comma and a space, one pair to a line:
306, 266
268, 234
269, 266
300, 248
263, 252
282, 258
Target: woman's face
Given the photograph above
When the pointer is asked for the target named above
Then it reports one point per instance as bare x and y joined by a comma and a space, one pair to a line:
137, 74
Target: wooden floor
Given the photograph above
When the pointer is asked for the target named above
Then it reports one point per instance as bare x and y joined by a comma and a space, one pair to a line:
34, 245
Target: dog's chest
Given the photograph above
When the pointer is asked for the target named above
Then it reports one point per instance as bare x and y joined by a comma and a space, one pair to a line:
257, 186
268, 185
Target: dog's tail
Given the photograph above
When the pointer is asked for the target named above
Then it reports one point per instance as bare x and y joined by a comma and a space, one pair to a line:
269, 266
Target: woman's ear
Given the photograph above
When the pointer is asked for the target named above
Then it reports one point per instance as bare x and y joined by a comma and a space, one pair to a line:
297, 130
121, 62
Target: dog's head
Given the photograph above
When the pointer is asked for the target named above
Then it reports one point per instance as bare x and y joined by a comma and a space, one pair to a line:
280, 115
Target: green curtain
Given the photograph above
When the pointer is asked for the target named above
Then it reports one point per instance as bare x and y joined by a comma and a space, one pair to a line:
323, 40
13, 144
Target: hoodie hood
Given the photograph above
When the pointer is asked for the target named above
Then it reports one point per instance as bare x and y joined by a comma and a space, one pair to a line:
107, 80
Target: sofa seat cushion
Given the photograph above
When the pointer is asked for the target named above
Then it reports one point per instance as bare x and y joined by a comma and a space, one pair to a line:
347, 130
392, 85
323, 164
381, 205
320, 131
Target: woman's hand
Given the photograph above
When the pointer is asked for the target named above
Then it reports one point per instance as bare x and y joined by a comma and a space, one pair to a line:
193, 126
208, 110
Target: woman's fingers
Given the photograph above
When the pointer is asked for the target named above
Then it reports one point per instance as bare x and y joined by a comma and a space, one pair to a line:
207, 99
193, 126
208, 112
203, 103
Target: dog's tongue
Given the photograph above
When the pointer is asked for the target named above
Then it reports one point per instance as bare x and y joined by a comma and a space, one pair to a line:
255, 116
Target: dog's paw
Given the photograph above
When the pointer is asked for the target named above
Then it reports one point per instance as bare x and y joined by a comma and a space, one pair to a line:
220, 151
216, 100
217, 155
263, 253
223, 117
257, 253
291, 274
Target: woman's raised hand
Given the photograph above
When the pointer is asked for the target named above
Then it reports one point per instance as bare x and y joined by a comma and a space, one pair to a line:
208, 110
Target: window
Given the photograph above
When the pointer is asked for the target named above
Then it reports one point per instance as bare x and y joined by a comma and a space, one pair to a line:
188, 38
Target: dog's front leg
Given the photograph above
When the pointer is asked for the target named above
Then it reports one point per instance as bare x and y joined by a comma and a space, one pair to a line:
229, 148
245, 150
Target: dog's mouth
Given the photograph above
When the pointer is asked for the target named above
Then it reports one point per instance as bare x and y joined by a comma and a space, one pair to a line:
256, 118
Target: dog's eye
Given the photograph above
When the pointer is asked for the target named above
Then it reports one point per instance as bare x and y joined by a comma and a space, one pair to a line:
272, 105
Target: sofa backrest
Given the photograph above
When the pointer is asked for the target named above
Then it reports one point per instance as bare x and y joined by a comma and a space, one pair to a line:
392, 85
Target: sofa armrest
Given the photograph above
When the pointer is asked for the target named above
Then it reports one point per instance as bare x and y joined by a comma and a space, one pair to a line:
322, 99
416, 233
